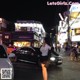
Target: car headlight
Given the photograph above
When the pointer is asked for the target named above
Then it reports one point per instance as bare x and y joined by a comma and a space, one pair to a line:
52, 59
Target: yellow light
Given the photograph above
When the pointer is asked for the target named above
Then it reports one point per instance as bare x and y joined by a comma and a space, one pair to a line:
74, 15
22, 44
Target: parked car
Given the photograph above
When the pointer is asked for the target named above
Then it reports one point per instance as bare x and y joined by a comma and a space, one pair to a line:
32, 55
6, 67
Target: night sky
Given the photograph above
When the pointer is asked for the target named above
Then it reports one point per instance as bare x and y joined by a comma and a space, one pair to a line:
37, 10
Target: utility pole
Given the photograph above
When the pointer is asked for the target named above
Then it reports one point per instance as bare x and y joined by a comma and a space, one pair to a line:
56, 37
68, 24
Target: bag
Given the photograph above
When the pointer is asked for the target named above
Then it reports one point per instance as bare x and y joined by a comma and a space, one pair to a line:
49, 53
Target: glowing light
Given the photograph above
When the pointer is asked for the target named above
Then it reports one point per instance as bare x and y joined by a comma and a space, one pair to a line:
75, 8
61, 16
0, 20
22, 44
52, 59
76, 38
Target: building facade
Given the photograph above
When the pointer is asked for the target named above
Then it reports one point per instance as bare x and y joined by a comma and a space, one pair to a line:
3, 29
28, 33
75, 22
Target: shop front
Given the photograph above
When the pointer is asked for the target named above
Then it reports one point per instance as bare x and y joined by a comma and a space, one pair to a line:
22, 43
21, 39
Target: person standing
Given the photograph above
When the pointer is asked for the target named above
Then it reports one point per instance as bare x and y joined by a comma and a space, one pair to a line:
44, 58
58, 47
10, 48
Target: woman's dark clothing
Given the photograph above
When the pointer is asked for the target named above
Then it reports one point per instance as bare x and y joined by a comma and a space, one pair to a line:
43, 58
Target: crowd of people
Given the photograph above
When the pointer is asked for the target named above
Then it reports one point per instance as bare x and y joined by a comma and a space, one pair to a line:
73, 51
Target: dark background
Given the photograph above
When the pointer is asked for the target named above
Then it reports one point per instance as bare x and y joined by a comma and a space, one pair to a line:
37, 10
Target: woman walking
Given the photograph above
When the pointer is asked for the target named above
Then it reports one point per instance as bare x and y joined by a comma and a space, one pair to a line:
44, 58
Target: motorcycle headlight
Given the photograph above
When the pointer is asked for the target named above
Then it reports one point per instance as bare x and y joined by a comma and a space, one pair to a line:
52, 59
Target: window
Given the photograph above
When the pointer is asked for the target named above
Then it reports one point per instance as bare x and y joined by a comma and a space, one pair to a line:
7, 37
28, 28
36, 29
23, 28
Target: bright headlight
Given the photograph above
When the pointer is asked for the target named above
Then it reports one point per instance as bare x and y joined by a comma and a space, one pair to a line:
52, 59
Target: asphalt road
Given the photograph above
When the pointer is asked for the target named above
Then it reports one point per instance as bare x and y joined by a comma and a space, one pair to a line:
24, 71
69, 70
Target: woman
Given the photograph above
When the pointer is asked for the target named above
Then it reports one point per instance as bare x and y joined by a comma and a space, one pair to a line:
44, 58
45, 48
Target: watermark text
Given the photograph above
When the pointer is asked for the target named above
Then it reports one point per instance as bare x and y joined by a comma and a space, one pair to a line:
61, 3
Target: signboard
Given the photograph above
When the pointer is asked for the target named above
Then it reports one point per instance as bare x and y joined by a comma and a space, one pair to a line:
77, 31
22, 36
36, 37
75, 8
76, 38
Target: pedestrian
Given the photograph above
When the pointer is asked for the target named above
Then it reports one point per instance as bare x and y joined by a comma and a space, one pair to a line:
45, 48
74, 54
58, 47
12, 57
10, 48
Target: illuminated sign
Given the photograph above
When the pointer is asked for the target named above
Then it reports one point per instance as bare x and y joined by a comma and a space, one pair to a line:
75, 8
32, 26
36, 29
77, 31
36, 37
22, 44
76, 38
0, 20
25, 37
22, 36
7, 37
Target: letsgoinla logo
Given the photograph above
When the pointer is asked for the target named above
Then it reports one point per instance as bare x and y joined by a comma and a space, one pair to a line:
61, 3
